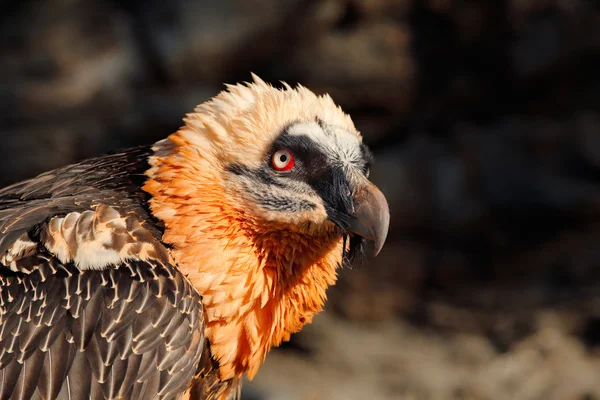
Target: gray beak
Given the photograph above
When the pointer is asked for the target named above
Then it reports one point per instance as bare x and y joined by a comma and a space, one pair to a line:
371, 215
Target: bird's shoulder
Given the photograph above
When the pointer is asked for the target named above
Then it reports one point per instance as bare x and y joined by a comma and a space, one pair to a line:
114, 180
91, 306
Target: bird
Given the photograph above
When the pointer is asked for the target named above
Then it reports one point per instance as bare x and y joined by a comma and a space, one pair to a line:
169, 271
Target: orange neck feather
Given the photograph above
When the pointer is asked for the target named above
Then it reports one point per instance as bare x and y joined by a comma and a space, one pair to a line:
260, 282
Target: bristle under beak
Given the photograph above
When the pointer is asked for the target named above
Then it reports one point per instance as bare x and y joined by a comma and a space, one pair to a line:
371, 216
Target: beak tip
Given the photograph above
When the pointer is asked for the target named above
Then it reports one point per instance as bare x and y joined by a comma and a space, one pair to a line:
381, 236
377, 247
373, 218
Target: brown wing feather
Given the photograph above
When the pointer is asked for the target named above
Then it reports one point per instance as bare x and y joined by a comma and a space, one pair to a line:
69, 333
113, 180
69, 330
91, 307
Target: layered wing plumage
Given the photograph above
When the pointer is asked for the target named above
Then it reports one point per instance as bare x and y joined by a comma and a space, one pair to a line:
132, 331
91, 305
113, 180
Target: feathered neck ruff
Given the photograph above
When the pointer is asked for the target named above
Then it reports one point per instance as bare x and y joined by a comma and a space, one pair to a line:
259, 281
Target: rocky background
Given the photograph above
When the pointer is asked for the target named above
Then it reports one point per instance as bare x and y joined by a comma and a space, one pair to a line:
485, 120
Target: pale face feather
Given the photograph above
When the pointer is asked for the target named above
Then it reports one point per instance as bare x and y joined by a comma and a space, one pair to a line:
341, 145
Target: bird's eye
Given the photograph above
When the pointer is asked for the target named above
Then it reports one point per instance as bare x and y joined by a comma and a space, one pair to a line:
282, 160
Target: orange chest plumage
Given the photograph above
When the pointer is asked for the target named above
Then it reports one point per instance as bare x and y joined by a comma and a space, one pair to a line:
259, 282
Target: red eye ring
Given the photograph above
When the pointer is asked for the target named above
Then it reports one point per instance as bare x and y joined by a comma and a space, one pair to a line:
282, 160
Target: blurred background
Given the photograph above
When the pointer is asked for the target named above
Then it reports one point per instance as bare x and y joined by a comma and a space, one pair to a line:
484, 117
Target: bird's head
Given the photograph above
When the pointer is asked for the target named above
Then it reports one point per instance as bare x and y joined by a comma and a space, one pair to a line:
264, 193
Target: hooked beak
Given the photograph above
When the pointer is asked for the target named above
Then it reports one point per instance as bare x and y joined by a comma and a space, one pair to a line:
371, 215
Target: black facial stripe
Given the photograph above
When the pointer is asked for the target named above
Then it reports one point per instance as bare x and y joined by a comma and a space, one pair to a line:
283, 204
303, 147
309, 154
329, 182
332, 184
259, 175
313, 167
262, 178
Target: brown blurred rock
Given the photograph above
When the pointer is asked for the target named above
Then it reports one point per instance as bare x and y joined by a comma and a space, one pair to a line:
73, 53
346, 360
206, 40
364, 65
